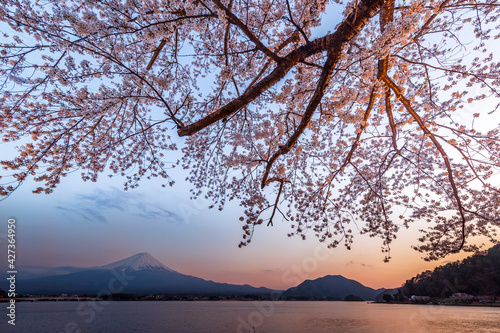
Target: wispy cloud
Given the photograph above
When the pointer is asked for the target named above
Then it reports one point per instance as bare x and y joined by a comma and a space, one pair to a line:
87, 213
99, 205
351, 262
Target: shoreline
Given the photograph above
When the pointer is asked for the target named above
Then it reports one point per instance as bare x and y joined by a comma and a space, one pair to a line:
472, 304
86, 299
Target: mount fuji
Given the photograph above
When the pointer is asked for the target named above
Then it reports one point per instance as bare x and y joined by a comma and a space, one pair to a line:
138, 274
139, 262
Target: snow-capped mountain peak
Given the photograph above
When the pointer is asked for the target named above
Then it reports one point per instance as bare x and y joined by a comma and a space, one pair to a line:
139, 262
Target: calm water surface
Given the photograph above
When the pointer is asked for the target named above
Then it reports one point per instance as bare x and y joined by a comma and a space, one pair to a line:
232, 316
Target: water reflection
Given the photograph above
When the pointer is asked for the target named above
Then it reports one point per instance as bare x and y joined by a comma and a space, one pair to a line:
244, 317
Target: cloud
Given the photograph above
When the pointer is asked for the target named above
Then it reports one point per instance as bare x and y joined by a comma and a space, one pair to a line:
351, 262
86, 213
100, 204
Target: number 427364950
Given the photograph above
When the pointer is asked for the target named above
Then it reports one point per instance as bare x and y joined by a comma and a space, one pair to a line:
12, 243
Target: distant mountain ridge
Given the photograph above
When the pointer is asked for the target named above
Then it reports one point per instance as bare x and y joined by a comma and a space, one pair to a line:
138, 274
143, 274
26, 272
331, 287
136, 262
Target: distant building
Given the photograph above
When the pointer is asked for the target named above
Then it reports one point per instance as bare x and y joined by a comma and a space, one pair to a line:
416, 298
486, 299
461, 297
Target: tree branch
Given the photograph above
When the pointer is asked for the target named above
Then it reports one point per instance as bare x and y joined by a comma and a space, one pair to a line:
235, 20
270, 223
360, 131
155, 55
428, 22
438, 146
306, 118
333, 43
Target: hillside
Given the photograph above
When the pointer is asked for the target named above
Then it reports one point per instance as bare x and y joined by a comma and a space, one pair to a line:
476, 275
330, 287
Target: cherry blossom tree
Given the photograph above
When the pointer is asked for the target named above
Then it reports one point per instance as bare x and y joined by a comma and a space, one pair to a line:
361, 130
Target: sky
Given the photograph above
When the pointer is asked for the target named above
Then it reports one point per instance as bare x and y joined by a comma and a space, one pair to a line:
87, 224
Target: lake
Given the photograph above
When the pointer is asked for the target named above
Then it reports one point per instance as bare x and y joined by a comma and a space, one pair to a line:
234, 316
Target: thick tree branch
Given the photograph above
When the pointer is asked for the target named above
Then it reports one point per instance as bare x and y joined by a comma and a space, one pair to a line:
390, 116
333, 43
156, 53
386, 17
386, 14
306, 117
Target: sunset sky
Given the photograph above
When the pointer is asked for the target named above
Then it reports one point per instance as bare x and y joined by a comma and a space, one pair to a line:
88, 224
